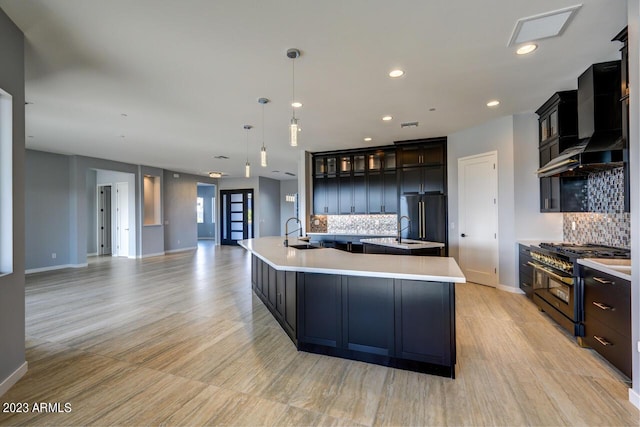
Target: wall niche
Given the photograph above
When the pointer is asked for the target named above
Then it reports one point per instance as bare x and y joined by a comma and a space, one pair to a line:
152, 211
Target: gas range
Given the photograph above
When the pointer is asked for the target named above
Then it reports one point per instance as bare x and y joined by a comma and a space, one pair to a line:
587, 250
557, 282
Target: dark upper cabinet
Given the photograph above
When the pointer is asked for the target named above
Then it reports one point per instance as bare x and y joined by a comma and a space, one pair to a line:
355, 182
558, 119
558, 130
422, 152
422, 166
426, 179
624, 100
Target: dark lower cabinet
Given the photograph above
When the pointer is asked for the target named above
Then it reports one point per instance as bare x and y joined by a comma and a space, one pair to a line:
319, 314
525, 270
425, 320
405, 324
277, 290
607, 317
367, 310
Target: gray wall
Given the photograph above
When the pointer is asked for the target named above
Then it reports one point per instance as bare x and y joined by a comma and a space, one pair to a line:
269, 206
207, 230
514, 138
12, 315
287, 209
180, 226
92, 206
46, 210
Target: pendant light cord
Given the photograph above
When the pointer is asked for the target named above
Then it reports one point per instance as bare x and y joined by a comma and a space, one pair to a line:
293, 86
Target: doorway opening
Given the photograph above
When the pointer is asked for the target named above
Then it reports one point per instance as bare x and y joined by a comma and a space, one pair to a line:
114, 221
206, 211
236, 216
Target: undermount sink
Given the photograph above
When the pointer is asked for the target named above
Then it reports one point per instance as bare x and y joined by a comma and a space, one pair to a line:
304, 246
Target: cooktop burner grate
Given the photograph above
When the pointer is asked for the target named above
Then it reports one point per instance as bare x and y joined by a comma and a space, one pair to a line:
587, 250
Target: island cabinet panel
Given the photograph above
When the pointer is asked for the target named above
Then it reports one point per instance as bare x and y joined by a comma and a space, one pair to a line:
425, 322
282, 301
319, 315
367, 310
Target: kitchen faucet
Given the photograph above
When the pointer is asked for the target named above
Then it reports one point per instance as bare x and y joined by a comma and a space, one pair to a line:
400, 229
287, 232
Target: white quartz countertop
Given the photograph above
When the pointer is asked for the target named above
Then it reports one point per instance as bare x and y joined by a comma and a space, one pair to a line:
616, 267
404, 244
332, 261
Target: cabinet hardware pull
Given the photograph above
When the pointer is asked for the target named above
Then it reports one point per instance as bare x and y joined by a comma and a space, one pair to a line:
602, 306
602, 341
603, 281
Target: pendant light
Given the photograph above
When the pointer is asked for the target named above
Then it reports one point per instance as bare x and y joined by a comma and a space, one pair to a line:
293, 127
263, 150
247, 166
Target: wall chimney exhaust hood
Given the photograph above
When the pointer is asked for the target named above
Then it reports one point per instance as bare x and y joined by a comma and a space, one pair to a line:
599, 125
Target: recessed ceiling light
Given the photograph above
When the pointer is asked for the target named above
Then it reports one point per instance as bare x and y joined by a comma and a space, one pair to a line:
387, 118
367, 139
215, 174
296, 104
493, 103
527, 48
396, 73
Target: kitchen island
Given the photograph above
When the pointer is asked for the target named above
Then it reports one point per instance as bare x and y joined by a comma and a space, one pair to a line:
391, 310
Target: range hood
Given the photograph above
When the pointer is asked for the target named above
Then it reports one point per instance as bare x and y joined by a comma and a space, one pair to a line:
600, 145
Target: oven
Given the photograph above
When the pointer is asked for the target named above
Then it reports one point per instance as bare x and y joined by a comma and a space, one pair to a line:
556, 288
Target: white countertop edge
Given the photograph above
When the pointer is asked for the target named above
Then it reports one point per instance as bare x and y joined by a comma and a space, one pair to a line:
361, 273
593, 263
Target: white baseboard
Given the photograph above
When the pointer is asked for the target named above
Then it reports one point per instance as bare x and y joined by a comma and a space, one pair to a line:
634, 398
7, 383
93, 254
151, 255
54, 267
510, 289
172, 251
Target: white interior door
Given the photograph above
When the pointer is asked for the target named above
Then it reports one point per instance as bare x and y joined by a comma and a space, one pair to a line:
478, 217
122, 219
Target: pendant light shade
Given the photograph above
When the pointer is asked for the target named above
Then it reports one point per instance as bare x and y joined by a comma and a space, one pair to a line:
263, 150
293, 127
293, 130
247, 165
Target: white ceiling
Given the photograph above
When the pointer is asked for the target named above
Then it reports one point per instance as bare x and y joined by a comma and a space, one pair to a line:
188, 73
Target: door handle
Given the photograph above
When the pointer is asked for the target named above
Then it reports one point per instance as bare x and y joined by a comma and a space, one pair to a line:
463, 235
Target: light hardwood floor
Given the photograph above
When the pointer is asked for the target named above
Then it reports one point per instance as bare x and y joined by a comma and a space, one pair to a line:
181, 340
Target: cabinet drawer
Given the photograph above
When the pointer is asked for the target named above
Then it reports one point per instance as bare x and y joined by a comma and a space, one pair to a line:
608, 299
613, 346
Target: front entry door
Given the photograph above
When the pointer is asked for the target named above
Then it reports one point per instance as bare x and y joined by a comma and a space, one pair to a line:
478, 217
236, 216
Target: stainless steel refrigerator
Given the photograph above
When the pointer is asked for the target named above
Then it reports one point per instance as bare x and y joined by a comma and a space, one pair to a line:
428, 215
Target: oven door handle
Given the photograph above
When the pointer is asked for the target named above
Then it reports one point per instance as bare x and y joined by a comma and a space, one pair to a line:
565, 280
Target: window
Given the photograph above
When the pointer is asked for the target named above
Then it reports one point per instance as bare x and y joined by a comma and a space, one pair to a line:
200, 210
6, 183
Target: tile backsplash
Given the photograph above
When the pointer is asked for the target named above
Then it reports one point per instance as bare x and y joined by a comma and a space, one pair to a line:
606, 223
354, 224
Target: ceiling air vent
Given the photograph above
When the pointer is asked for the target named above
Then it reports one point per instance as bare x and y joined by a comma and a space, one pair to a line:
542, 26
409, 125
221, 157
290, 174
